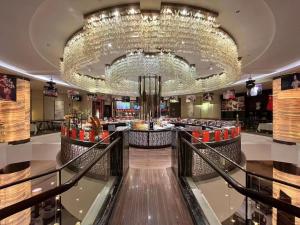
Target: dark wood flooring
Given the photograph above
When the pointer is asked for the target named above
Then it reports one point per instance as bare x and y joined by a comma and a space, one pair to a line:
150, 194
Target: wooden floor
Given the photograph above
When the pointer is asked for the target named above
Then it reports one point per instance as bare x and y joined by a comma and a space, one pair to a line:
150, 194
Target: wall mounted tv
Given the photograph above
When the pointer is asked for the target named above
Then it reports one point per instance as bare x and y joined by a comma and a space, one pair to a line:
8, 88
208, 97
125, 99
123, 105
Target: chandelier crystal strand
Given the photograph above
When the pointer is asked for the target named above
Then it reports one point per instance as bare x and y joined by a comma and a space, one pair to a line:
173, 30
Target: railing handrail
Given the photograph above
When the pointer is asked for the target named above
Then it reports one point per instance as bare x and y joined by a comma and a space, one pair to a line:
241, 168
292, 209
57, 169
29, 202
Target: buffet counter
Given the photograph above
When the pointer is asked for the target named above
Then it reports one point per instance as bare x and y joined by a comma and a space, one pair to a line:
223, 136
158, 138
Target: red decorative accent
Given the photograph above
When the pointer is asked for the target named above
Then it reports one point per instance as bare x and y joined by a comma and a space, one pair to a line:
92, 136
81, 135
270, 103
196, 135
225, 134
205, 137
217, 135
73, 133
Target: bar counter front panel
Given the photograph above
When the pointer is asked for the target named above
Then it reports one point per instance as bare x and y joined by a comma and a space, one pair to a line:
150, 138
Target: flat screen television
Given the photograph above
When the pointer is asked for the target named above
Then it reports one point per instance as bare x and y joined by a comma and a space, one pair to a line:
8, 88
76, 98
208, 97
125, 99
123, 105
229, 94
190, 98
163, 106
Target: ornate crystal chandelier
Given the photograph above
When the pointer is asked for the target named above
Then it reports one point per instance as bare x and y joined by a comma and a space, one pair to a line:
152, 38
171, 68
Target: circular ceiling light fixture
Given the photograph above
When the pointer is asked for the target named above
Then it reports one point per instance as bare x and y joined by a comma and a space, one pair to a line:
106, 33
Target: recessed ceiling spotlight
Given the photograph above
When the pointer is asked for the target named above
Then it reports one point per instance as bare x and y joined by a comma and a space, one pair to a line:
182, 42
109, 45
237, 11
89, 69
210, 68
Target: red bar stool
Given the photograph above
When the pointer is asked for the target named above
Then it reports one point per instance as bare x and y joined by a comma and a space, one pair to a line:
237, 131
217, 135
73, 134
92, 136
205, 136
105, 134
196, 136
81, 135
232, 132
225, 135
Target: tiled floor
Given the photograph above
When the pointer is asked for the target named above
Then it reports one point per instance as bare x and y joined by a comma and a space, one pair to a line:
257, 147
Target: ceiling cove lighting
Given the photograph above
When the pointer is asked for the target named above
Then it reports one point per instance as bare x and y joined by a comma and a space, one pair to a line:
26, 74
278, 71
164, 30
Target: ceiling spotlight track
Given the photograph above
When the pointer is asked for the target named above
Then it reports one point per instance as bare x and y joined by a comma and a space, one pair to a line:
175, 29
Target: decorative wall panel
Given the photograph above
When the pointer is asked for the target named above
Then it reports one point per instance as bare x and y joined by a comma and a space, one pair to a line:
290, 194
16, 193
231, 148
71, 149
286, 113
15, 116
150, 139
